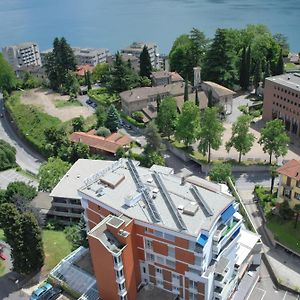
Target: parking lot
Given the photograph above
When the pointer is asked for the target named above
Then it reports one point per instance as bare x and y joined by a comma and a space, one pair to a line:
11, 175
265, 289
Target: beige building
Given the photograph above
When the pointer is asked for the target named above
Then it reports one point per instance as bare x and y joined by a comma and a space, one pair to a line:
165, 77
282, 101
22, 55
129, 58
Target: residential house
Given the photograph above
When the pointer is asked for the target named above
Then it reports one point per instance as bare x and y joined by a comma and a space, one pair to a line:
289, 183
126, 57
99, 144
165, 77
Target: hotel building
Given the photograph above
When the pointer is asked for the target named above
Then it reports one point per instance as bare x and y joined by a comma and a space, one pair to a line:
149, 227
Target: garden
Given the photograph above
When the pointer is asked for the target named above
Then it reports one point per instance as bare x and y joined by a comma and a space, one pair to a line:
102, 97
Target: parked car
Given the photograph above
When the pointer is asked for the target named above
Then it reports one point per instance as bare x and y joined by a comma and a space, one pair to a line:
39, 292
94, 105
52, 294
89, 102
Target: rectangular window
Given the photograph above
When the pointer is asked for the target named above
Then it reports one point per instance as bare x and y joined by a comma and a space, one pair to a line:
170, 263
159, 282
148, 244
171, 251
198, 260
160, 260
149, 256
192, 245
158, 233
169, 237
121, 286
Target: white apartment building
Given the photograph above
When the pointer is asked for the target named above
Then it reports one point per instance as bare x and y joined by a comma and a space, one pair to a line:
136, 49
91, 56
22, 55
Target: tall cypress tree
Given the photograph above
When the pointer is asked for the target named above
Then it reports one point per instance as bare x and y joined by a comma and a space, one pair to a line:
244, 70
186, 90
267, 72
280, 64
158, 101
145, 63
248, 67
113, 118
257, 75
197, 98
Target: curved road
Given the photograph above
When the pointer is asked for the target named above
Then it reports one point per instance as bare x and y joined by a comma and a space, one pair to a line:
26, 158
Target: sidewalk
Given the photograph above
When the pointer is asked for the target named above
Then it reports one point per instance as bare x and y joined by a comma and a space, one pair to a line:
285, 266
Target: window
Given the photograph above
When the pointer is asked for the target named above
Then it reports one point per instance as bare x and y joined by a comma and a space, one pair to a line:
120, 273
159, 271
149, 256
176, 289
192, 284
193, 296
170, 237
170, 263
158, 233
171, 251
123, 297
198, 260
297, 196
160, 260
159, 282
191, 245
121, 286
117, 260
148, 244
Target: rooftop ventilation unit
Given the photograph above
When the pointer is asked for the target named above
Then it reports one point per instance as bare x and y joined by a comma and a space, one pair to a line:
200, 200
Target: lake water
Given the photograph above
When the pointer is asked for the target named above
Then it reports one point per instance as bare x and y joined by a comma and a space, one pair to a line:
114, 24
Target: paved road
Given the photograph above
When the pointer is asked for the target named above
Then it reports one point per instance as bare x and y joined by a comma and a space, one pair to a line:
26, 157
11, 175
265, 289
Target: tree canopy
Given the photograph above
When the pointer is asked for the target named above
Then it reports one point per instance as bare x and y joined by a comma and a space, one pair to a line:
167, 116
220, 172
27, 192
187, 129
8, 80
274, 139
145, 63
58, 64
113, 119
211, 132
51, 172
153, 138
241, 139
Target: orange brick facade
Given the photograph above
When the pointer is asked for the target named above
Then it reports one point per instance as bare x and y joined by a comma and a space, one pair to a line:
135, 258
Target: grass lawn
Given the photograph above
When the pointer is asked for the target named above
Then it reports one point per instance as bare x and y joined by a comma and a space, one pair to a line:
285, 232
291, 66
101, 96
66, 103
56, 247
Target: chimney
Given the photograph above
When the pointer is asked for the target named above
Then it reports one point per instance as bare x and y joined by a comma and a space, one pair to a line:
197, 77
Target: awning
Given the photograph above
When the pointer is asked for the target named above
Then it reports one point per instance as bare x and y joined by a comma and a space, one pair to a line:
228, 213
202, 240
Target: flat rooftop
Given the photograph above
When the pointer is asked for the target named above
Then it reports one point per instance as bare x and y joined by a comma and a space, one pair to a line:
182, 197
289, 80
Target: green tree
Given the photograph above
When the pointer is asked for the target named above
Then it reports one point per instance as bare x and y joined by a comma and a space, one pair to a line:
158, 102
58, 63
101, 72
151, 158
51, 172
24, 237
138, 116
7, 155
297, 212
145, 63
76, 234
186, 90
211, 132
88, 80
72, 86
145, 81
210, 100
274, 139
220, 61
78, 123
8, 80
167, 116
282, 41
154, 141
285, 211
244, 70
267, 72
187, 129
274, 174
220, 172
55, 139
103, 131
197, 103
76, 151
21, 189
280, 64
241, 139
113, 119
101, 116
257, 75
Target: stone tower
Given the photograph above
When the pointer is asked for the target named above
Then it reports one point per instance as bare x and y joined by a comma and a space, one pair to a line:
197, 77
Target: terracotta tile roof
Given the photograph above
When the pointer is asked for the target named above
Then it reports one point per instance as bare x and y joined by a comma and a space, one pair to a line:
291, 169
219, 89
175, 77
99, 142
82, 69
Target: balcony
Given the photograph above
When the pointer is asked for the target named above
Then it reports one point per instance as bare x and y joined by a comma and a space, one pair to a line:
219, 232
120, 280
118, 266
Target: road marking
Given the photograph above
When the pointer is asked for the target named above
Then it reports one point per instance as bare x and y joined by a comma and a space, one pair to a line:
263, 296
284, 295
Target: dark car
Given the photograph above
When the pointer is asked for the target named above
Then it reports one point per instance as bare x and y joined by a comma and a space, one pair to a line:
89, 102
51, 294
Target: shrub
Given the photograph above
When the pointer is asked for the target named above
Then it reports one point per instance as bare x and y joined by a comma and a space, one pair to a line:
7, 156
220, 172
103, 131
138, 116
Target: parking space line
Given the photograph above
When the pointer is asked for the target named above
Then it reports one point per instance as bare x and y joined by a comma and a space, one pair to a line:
284, 295
264, 293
